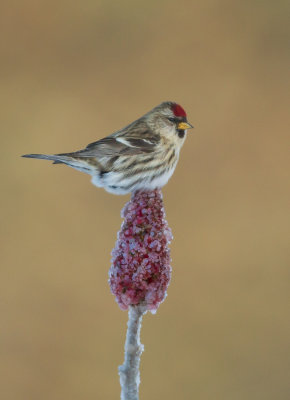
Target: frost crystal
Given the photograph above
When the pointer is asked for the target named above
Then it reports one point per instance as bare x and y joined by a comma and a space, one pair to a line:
140, 271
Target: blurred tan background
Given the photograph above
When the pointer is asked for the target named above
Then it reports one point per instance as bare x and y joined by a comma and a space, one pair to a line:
73, 72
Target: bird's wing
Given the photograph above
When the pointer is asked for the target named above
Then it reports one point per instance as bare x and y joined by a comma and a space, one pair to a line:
120, 144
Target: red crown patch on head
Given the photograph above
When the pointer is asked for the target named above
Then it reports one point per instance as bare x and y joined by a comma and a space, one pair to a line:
178, 110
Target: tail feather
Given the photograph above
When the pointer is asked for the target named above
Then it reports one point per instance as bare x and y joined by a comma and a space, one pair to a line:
66, 158
57, 159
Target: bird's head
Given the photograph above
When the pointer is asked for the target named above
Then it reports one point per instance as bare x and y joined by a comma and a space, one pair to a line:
169, 119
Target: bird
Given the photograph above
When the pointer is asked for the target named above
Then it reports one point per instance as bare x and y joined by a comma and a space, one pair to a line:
141, 156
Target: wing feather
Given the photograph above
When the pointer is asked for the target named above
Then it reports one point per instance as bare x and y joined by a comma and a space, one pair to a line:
121, 143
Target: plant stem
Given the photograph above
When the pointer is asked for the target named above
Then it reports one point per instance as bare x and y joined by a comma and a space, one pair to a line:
129, 371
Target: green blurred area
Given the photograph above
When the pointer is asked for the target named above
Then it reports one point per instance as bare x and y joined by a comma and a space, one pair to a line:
71, 73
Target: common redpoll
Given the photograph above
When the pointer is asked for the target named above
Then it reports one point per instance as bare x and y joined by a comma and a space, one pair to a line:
141, 156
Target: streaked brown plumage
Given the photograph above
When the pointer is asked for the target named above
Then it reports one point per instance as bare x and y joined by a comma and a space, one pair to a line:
143, 155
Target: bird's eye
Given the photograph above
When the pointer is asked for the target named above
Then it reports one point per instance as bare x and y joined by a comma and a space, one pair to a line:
172, 120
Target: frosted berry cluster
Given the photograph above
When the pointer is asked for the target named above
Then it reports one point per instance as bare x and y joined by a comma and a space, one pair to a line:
140, 271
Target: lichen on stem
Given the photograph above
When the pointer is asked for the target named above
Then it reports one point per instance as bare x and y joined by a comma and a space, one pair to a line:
129, 370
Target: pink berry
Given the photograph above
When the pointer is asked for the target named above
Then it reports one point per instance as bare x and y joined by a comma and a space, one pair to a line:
140, 271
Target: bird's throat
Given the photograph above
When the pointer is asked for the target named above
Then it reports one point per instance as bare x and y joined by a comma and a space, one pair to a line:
181, 133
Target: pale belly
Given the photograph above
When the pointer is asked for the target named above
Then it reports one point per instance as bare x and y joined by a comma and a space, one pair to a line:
114, 182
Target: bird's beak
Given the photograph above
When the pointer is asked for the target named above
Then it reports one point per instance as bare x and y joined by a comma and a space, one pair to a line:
184, 125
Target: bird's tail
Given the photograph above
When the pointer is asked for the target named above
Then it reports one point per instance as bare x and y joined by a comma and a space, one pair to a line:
66, 158
56, 158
